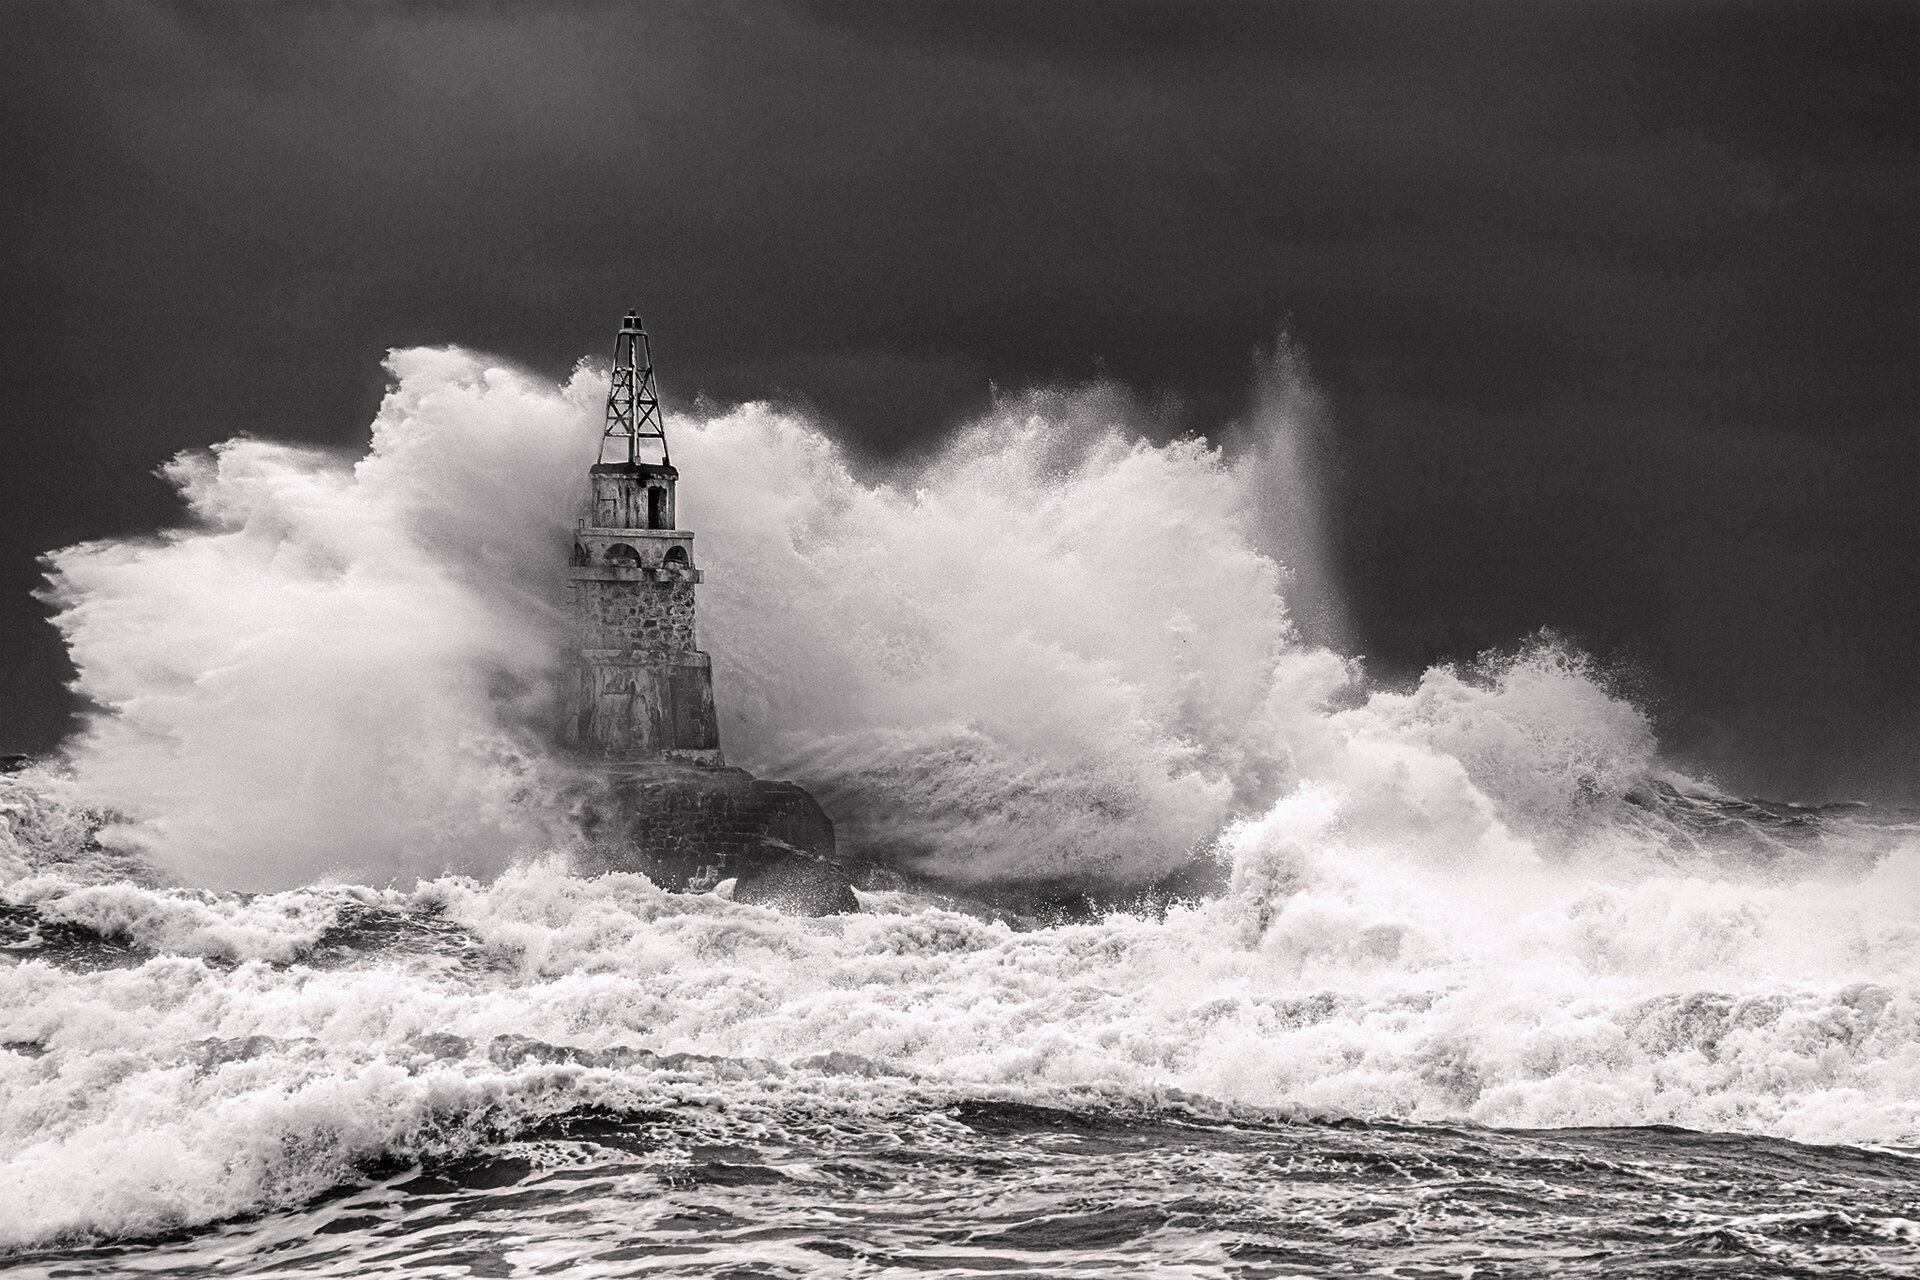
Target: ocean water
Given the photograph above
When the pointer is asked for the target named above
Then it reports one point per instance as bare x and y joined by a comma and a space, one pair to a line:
1185, 949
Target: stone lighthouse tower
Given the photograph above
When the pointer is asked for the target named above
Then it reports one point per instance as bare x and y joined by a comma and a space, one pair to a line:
639, 690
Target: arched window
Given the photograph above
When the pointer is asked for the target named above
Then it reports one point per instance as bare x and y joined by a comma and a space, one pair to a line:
677, 555
622, 554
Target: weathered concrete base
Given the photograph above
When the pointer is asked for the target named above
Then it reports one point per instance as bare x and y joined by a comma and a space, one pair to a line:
689, 827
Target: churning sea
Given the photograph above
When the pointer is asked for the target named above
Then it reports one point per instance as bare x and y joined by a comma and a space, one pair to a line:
554, 1076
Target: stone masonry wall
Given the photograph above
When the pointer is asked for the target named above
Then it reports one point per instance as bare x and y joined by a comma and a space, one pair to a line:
654, 616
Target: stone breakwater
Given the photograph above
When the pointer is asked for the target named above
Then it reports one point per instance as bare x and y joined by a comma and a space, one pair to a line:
690, 827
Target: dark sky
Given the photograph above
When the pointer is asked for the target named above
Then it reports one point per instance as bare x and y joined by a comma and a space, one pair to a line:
1617, 305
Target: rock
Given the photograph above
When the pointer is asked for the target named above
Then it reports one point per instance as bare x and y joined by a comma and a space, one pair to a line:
689, 827
797, 885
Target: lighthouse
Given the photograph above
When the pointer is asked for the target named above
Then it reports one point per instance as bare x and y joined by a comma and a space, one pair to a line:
638, 690
652, 794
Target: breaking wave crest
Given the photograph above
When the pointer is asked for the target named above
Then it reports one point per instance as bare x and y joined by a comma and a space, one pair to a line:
1053, 650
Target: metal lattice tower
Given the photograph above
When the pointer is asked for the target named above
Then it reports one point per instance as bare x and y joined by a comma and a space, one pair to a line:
633, 399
